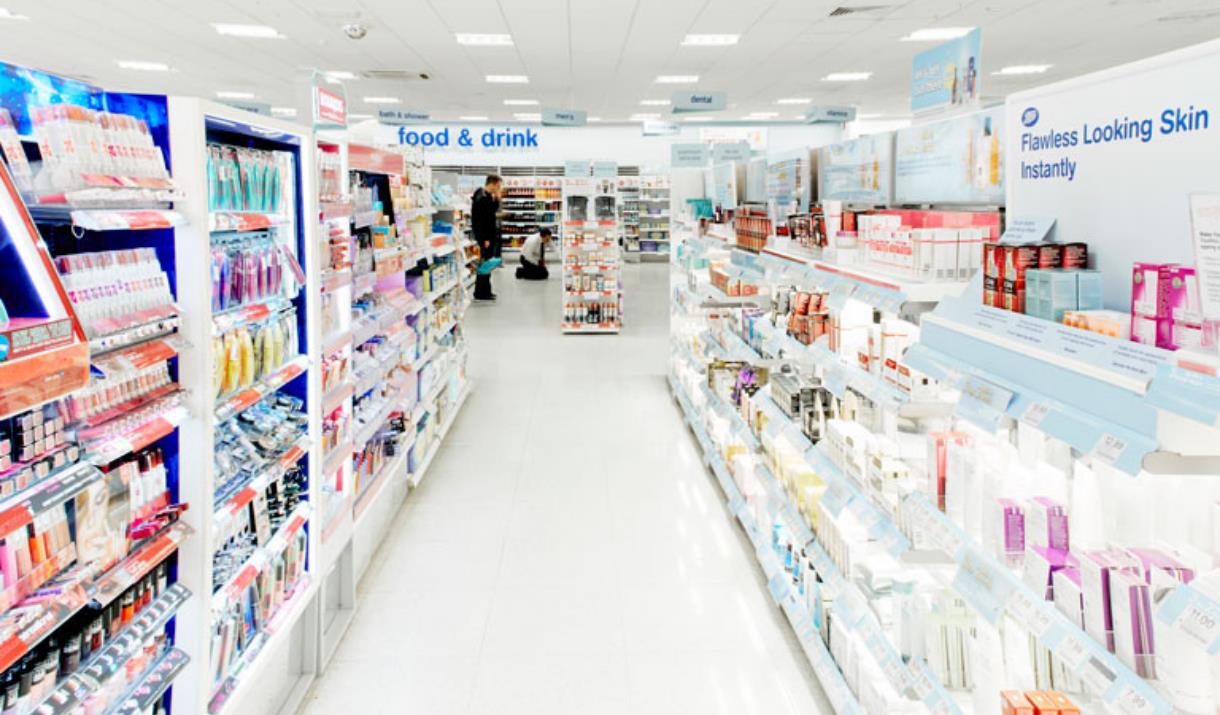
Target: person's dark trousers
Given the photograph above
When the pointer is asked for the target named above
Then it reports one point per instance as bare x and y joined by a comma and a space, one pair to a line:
532, 272
482, 282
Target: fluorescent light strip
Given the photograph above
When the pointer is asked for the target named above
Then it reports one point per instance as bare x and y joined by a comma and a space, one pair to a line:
677, 78
359, 116
527, 117
477, 39
1022, 69
710, 40
143, 66
593, 119
641, 116
339, 74
284, 111
382, 100
521, 103
762, 115
699, 119
508, 79
794, 100
847, 76
258, 32
225, 94
472, 118
655, 103
6, 14
870, 115
937, 34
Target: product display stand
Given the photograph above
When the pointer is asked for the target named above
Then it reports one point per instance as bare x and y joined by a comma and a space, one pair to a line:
252, 329
822, 412
592, 267
629, 216
654, 217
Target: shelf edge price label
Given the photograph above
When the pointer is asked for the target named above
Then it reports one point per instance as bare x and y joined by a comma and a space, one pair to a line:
1194, 614
1109, 448
1035, 413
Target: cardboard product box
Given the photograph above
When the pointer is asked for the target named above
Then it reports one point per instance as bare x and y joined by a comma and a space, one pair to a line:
1014, 702
1017, 260
1050, 255
993, 274
1075, 256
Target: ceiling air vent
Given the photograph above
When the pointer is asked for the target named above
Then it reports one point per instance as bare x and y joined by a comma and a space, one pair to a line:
395, 75
855, 9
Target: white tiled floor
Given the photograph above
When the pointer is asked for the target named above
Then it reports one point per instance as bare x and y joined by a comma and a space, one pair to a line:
567, 553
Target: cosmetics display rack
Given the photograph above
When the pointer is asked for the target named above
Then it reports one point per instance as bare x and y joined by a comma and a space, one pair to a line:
654, 217
592, 262
252, 330
911, 510
529, 204
89, 401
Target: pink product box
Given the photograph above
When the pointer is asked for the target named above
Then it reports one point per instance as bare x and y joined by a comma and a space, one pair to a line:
1161, 293
1040, 566
1012, 538
1046, 523
1097, 569
1068, 594
1157, 563
1131, 603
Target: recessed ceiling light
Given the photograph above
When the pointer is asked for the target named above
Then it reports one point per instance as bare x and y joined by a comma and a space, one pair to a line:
937, 34
382, 100
1022, 69
641, 116
655, 103
6, 14
677, 78
762, 115
508, 79
484, 39
709, 40
284, 111
527, 117
847, 76
472, 118
794, 100
521, 103
259, 32
339, 74
143, 66
225, 94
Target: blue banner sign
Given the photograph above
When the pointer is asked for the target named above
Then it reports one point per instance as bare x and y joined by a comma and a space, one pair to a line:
688, 156
684, 102
947, 75
564, 118
830, 115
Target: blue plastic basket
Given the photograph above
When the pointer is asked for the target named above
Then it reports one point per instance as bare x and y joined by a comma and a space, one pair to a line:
489, 265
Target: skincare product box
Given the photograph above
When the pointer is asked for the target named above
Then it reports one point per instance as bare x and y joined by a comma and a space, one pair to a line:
1046, 523
1097, 569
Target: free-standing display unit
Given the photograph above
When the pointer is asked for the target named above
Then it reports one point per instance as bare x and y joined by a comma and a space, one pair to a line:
592, 265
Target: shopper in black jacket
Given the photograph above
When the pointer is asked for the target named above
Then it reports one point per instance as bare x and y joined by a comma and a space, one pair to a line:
484, 206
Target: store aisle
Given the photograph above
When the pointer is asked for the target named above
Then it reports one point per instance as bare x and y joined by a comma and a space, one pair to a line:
567, 553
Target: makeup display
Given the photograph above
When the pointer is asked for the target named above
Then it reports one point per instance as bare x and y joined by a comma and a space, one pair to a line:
933, 547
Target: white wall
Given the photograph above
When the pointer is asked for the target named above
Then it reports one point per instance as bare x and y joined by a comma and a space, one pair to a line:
623, 143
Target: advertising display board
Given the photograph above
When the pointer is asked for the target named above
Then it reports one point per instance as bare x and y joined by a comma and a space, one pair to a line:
1114, 157
858, 171
947, 75
957, 161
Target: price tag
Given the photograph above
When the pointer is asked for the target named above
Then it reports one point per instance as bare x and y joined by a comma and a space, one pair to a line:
1025, 611
921, 680
1194, 614
736, 505
835, 498
836, 381
778, 586
1109, 448
1035, 413
1127, 698
1095, 673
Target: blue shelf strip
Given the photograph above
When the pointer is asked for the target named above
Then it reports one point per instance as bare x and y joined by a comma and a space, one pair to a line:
840, 286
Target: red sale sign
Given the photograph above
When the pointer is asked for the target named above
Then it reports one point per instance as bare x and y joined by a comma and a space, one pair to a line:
330, 107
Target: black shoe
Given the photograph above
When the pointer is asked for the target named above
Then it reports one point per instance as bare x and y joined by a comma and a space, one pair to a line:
485, 298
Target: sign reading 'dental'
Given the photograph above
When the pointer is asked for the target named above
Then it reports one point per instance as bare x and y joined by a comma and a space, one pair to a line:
656, 128
829, 114
467, 138
685, 102
401, 116
947, 75
1116, 155
564, 118
736, 151
957, 161
688, 156
605, 169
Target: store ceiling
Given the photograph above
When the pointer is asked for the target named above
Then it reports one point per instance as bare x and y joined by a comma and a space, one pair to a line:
599, 55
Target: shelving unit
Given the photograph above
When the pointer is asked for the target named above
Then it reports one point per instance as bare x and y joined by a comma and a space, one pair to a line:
629, 215
827, 515
592, 262
529, 204
653, 217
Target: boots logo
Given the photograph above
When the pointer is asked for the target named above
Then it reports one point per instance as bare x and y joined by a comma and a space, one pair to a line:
1030, 116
